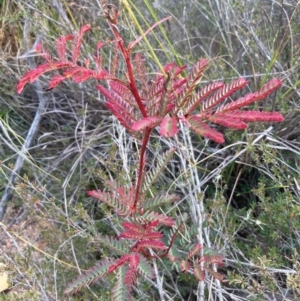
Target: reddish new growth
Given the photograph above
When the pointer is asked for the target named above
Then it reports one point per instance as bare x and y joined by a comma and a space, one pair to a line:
161, 101
143, 103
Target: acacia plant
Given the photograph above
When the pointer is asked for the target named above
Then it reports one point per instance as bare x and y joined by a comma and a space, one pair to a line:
142, 104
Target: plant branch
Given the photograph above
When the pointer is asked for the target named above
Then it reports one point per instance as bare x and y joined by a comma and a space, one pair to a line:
141, 168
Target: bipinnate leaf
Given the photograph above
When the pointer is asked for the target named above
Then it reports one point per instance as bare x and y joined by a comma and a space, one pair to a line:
78, 42
226, 91
202, 129
161, 164
111, 200
150, 244
168, 127
116, 246
130, 277
121, 291
120, 109
268, 88
197, 71
195, 100
60, 45
138, 232
254, 116
228, 121
32, 75
93, 274
146, 122
144, 268
150, 216
239, 103
160, 200
123, 92
119, 262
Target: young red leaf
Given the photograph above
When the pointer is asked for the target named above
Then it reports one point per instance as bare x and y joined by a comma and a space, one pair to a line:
121, 261
212, 259
197, 71
152, 235
195, 100
78, 42
202, 129
132, 227
134, 261
131, 235
151, 244
32, 75
146, 122
56, 80
168, 127
60, 44
268, 88
227, 121
154, 216
239, 103
130, 278
223, 93
255, 116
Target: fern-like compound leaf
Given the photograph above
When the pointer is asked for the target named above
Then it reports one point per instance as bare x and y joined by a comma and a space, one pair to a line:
197, 71
228, 121
268, 88
239, 103
168, 127
117, 247
195, 100
121, 291
146, 122
78, 42
93, 274
223, 93
123, 92
150, 216
212, 259
160, 200
254, 116
110, 199
202, 129
145, 269
61, 44
122, 110
150, 244
153, 174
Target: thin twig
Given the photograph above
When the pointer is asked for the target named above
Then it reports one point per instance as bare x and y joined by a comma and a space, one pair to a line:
8, 193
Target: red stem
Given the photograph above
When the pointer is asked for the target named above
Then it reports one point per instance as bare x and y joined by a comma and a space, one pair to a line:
141, 168
126, 55
112, 20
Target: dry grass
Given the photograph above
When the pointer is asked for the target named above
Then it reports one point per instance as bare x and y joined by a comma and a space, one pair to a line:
242, 197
